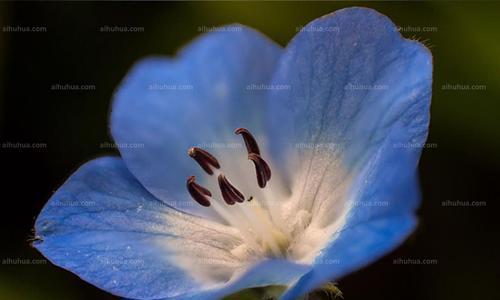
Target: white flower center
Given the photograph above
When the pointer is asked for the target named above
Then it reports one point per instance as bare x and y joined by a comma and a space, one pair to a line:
261, 220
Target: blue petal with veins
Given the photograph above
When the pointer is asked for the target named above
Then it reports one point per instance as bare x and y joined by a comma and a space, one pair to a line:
352, 249
105, 227
365, 89
171, 105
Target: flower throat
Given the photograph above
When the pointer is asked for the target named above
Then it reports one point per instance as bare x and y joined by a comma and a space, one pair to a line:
256, 224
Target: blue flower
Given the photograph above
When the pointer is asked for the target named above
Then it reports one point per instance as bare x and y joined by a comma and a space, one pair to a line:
329, 126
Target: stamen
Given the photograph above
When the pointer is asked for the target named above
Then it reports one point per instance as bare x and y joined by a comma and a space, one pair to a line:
199, 193
261, 168
204, 159
250, 142
230, 194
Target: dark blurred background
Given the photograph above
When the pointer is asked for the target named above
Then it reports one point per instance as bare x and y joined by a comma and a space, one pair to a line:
57, 79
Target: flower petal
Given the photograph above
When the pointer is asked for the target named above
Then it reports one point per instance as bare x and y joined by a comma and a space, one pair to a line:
384, 194
360, 99
105, 227
265, 273
388, 184
167, 106
353, 248
353, 79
